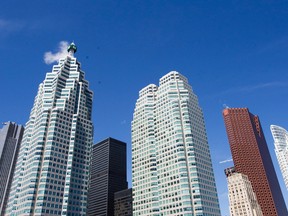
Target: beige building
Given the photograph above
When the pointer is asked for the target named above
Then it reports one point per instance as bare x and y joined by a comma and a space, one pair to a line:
242, 199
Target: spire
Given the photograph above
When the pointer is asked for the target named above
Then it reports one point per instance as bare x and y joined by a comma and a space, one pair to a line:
72, 49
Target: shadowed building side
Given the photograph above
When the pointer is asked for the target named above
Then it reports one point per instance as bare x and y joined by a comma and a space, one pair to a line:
10, 138
107, 176
123, 203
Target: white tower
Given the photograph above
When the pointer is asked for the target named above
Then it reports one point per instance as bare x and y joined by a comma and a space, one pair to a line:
280, 136
171, 165
242, 199
52, 170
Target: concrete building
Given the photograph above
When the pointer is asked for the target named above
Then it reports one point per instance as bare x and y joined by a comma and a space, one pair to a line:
280, 136
10, 138
123, 203
52, 170
108, 175
171, 166
242, 198
252, 158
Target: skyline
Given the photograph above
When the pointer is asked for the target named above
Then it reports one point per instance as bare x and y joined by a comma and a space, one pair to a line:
233, 53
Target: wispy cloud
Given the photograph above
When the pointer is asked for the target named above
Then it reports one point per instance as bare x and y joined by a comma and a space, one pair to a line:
11, 25
255, 87
50, 57
280, 43
226, 161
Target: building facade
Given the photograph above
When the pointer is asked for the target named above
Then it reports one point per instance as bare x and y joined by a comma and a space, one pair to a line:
123, 203
10, 138
280, 136
242, 198
172, 172
52, 170
252, 158
108, 175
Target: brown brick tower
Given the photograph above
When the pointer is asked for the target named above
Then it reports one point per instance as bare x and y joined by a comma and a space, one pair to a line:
252, 158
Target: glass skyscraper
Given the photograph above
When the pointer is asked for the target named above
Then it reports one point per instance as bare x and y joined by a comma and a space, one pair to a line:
171, 166
280, 136
10, 138
52, 170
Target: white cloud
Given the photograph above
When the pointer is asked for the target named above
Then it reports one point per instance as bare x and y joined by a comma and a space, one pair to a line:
226, 161
50, 57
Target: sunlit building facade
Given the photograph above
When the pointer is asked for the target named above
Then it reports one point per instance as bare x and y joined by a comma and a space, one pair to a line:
52, 170
242, 198
280, 136
171, 166
252, 158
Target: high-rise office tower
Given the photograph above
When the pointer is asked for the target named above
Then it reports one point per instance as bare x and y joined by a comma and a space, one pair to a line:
52, 170
252, 158
123, 203
108, 175
242, 198
280, 136
10, 139
172, 172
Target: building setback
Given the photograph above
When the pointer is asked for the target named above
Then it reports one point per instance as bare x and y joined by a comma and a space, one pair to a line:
171, 166
108, 175
280, 136
10, 139
242, 198
123, 203
252, 158
52, 170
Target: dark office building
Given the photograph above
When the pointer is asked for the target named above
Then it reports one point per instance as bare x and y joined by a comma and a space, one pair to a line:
251, 157
108, 175
123, 203
10, 139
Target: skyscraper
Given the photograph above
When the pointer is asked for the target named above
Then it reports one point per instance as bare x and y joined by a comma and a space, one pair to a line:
252, 158
242, 198
171, 166
123, 203
108, 175
280, 136
52, 170
10, 139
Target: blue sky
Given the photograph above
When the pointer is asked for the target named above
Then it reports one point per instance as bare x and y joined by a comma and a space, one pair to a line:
232, 52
